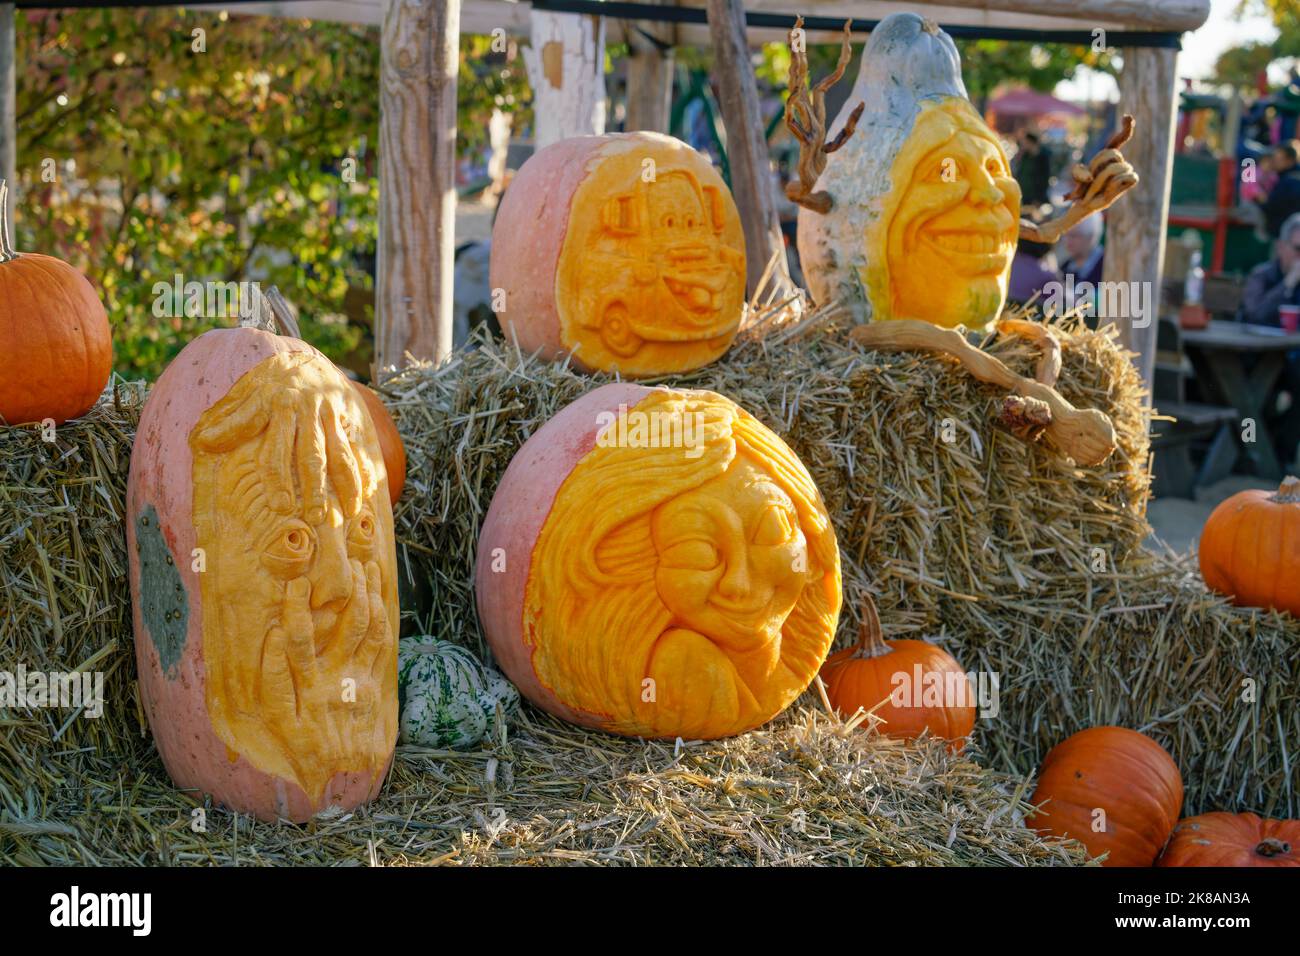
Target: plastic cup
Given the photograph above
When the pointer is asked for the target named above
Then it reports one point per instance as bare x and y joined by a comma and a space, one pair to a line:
1290, 316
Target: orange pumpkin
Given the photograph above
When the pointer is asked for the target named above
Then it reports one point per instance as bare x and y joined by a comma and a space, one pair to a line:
54, 336
1115, 778
1250, 548
1233, 839
390, 442
922, 687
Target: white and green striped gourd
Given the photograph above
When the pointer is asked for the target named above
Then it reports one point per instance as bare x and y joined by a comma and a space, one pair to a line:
446, 697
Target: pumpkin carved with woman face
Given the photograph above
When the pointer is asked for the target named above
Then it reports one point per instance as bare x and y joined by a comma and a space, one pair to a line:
658, 563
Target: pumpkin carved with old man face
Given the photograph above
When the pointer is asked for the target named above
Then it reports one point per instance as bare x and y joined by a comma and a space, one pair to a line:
263, 572
658, 563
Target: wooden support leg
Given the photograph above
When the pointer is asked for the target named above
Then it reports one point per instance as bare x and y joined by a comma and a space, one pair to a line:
1135, 231
419, 58
8, 127
752, 182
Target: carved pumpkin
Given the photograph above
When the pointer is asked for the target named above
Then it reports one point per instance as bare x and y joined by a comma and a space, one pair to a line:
1114, 790
1233, 839
624, 251
925, 211
658, 563
54, 336
390, 442
1250, 548
263, 578
446, 697
922, 686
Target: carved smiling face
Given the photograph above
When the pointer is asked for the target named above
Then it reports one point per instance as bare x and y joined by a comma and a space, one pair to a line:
683, 591
948, 231
732, 557
299, 589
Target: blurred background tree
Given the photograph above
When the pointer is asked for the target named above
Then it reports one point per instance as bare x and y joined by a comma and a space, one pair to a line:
216, 155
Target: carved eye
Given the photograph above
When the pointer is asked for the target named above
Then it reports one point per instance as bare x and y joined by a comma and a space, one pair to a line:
297, 541
774, 528
690, 222
361, 537
670, 221
290, 549
698, 555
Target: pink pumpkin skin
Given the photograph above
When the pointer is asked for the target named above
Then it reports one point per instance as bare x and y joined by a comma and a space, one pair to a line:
534, 218
161, 476
519, 508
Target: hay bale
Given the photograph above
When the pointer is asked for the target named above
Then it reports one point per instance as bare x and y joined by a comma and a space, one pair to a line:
807, 789
64, 599
1017, 562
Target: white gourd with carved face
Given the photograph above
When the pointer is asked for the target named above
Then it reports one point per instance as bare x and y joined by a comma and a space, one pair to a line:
925, 212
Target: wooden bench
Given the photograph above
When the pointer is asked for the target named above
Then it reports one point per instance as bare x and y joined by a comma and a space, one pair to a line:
1205, 429
1196, 424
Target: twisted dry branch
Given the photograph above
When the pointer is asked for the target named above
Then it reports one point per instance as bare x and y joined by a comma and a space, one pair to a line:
805, 117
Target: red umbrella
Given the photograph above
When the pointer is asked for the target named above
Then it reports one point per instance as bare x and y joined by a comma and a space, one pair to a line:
1031, 103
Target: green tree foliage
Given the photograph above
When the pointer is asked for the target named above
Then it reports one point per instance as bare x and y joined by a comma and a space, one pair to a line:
220, 165
1238, 66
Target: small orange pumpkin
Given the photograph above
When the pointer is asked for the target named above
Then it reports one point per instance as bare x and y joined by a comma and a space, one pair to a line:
1250, 548
390, 442
876, 670
1121, 772
1233, 839
54, 335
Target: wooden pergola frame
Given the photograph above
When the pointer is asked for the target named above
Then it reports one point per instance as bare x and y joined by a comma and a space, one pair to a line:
419, 53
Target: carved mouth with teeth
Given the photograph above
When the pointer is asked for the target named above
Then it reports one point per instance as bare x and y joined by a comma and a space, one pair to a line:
696, 293
972, 252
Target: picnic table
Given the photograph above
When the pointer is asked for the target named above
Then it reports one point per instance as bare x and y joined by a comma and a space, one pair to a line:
1239, 365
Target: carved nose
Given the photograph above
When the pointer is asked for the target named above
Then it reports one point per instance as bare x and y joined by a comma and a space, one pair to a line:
331, 578
735, 582
984, 190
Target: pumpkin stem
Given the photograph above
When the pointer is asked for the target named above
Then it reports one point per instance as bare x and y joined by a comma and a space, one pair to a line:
1288, 493
1272, 846
283, 312
7, 253
871, 637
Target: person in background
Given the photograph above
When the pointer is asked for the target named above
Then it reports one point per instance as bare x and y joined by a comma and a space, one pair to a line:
1271, 285
1276, 282
1035, 263
1284, 198
1033, 170
1083, 251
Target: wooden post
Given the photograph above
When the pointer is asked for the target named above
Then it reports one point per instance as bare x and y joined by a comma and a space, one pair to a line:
752, 182
8, 92
1135, 225
566, 68
649, 74
419, 55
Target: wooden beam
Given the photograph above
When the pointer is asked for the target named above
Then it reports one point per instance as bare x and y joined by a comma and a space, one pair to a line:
419, 54
1135, 225
752, 182
650, 71
483, 16
566, 69
1172, 15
